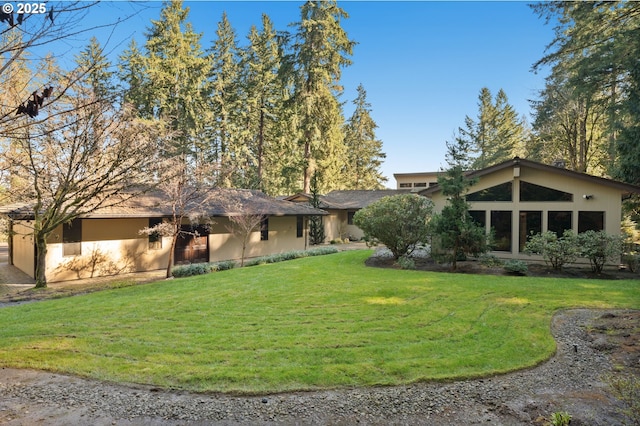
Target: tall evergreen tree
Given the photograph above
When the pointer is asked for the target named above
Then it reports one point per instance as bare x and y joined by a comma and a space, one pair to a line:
264, 98
320, 51
363, 150
167, 82
497, 134
593, 54
228, 149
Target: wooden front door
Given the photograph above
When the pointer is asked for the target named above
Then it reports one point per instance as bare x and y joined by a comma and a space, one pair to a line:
192, 248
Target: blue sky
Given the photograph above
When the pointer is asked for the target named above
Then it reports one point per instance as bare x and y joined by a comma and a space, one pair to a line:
422, 63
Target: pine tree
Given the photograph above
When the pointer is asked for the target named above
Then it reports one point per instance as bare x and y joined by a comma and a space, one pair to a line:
225, 104
363, 149
456, 232
498, 132
316, 225
264, 98
320, 52
167, 82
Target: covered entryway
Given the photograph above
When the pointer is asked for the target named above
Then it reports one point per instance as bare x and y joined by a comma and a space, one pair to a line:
192, 245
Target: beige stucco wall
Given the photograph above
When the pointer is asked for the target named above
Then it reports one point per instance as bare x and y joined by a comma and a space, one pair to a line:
223, 245
114, 246
604, 198
109, 247
23, 247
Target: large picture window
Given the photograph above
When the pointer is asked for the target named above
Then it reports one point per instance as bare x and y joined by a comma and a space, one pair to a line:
590, 221
72, 238
530, 223
500, 192
533, 192
559, 221
479, 217
501, 224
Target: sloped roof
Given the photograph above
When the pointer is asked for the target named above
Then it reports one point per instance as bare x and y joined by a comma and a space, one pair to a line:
212, 202
624, 188
348, 199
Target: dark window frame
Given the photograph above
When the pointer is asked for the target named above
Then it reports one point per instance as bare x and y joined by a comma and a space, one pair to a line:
497, 193
264, 228
299, 226
72, 238
503, 235
531, 192
586, 220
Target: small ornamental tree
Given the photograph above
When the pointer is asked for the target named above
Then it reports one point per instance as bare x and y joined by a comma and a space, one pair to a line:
599, 247
400, 222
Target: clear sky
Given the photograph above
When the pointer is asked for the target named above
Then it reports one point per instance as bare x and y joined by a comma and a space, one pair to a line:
422, 63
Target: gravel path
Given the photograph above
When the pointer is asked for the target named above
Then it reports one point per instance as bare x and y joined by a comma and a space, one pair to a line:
570, 381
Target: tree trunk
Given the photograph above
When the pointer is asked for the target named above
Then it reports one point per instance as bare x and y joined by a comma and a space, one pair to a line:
174, 239
41, 259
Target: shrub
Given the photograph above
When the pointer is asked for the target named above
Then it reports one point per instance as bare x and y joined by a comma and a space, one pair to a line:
516, 267
224, 265
192, 269
490, 260
599, 247
290, 255
399, 222
627, 390
556, 251
632, 260
406, 262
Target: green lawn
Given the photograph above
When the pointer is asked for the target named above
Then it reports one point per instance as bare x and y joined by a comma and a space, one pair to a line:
311, 323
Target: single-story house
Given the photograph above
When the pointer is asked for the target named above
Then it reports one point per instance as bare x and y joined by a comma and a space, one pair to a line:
108, 241
341, 206
519, 197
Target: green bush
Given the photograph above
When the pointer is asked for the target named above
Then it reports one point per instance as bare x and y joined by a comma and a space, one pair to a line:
599, 247
490, 260
406, 262
556, 251
516, 267
290, 255
192, 269
632, 260
560, 419
627, 390
400, 222
206, 268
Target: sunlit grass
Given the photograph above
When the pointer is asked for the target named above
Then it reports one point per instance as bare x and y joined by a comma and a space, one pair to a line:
311, 323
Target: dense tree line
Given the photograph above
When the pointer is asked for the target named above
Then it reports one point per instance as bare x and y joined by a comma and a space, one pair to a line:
267, 114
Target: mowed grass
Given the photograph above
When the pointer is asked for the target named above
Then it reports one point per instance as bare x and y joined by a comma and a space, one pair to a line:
311, 323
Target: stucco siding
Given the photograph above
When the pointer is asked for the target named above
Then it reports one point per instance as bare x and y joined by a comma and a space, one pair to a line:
23, 248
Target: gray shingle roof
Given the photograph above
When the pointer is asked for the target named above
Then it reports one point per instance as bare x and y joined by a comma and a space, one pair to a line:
213, 202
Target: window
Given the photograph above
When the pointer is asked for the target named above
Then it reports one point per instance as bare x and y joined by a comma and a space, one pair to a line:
420, 184
299, 226
479, 217
264, 229
72, 238
590, 221
350, 217
155, 239
530, 223
559, 221
500, 192
533, 192
405, 185
501, 224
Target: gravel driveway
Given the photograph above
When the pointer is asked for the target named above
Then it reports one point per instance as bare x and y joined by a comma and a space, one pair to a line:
571, 382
